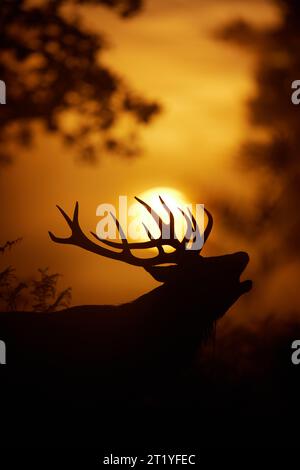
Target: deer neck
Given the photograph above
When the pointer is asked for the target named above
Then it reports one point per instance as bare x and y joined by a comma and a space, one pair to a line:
170, 304
159, 297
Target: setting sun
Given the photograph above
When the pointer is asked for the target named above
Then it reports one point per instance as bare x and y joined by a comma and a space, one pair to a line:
174, 200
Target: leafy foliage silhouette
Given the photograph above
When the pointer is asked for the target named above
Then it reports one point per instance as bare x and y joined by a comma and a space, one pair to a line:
54, 72
271, 111
44, 292
38, 295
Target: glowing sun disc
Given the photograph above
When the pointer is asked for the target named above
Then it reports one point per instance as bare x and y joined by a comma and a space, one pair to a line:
174, 200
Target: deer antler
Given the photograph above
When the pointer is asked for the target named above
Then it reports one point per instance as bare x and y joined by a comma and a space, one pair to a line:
78, 238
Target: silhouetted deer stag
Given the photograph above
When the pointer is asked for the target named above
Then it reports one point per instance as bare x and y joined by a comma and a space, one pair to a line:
138, 342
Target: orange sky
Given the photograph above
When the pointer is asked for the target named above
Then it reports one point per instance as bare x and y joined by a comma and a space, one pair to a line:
167, 52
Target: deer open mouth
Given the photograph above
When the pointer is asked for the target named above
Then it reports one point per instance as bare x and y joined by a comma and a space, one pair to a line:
246, 285
243, 258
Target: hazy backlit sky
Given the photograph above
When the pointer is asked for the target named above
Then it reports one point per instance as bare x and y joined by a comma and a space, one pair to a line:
168, 53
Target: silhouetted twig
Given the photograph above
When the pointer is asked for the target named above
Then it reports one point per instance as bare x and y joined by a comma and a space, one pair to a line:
9, 244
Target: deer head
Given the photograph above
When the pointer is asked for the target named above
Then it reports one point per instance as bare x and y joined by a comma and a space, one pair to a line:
188, 278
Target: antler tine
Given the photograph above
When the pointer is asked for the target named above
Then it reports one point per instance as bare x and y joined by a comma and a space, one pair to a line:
195, 227
72, 223
152, 212
158, 245
171, 224
111, 243
189, 228
124, 244
65, 215
148, 232
192, 225
56, 239
209, 225
121, 232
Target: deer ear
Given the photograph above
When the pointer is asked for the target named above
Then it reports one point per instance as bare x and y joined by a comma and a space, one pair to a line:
162, 273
